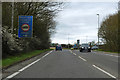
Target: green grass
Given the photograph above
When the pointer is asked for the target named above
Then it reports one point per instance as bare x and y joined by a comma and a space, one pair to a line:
65, 48
14, 59
105, 51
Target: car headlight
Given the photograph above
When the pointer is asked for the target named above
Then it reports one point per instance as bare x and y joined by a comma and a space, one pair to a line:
88, 47
82, 47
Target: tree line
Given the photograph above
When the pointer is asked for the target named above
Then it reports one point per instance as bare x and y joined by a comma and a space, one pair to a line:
43, 26
109, 32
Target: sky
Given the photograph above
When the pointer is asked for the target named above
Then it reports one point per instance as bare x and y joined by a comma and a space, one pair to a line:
60, 0
79, 20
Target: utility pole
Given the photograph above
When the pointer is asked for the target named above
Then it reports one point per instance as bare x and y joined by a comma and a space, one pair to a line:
12, 24
98, 30
86, 39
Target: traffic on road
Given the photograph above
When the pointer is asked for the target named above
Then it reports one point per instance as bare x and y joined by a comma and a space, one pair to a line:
70, 64
59, 39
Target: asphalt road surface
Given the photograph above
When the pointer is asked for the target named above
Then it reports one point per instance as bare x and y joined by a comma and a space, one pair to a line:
71, 64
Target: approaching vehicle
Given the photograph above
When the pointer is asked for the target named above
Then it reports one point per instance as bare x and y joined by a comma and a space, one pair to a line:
58, 47
85, 47
94, 48
75, 46
72, 48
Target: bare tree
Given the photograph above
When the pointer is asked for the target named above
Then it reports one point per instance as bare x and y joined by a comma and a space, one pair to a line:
43, 25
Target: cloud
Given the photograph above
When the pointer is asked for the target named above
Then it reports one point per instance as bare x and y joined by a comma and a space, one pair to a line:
79, 20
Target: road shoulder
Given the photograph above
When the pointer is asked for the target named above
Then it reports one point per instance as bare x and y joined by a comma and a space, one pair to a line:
107, 53
10, 70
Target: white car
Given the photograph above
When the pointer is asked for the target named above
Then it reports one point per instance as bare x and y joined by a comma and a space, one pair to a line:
94, 48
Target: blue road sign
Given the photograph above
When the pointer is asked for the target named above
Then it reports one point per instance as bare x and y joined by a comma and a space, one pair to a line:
25, 26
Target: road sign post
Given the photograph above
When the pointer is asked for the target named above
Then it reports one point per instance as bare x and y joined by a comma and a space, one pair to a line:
25, 26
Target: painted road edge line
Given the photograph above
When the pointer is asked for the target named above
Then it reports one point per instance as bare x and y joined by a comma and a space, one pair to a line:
82, 58
111, 55
107, 54
104, 71
14, 74
29, 65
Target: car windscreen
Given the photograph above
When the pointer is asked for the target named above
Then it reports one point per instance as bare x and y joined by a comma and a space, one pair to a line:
95, 47
58, 45
85, 45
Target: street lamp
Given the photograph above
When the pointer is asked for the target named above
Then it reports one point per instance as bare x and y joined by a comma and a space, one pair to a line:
12, 24
68, 41
98, 30
86, 38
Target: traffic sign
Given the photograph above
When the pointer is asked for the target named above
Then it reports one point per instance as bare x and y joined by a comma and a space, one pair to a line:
25, 26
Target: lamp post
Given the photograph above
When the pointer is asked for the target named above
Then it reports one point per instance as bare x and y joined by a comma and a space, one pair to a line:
86, 38
98, 30
12, 24
68, 41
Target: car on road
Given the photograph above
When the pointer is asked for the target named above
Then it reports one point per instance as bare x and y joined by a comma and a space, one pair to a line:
72, 48
75, 46
58, 47
85, 47
94, 48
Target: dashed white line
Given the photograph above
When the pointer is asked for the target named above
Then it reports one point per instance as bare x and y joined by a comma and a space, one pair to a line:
70, 51
82, 58
104, 71
74, 54
14, 74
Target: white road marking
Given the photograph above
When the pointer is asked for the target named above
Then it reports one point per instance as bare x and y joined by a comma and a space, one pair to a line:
106, 54
82, 58
0, 75
70, 51
74, 54
29, 65
104, 71
14, 74
45, 55
111, 55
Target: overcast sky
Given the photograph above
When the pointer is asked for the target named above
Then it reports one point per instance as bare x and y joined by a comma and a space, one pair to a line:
78, 20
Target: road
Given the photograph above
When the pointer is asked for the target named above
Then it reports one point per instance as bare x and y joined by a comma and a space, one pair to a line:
71, 64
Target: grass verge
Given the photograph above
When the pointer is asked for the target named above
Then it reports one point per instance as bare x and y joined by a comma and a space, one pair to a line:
14, 59
105, 51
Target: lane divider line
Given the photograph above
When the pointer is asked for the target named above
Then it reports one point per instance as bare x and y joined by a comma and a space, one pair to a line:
82, 58
74, 54
70, 51
98, 67
104, 71
14, 74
